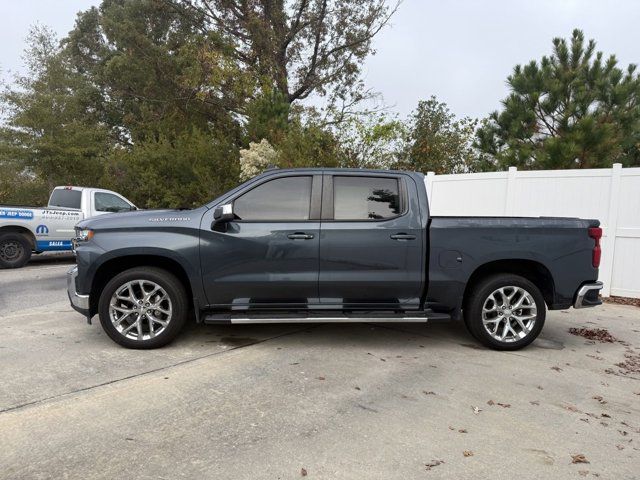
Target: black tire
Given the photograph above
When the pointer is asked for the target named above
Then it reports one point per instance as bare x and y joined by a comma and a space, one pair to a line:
15, 250
482, 292
175, 292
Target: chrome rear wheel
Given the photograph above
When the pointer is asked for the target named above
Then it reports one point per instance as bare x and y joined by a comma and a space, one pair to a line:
504, 311
509, 314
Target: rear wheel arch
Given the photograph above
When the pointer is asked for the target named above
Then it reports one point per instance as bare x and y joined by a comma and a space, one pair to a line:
532, 270
115, 266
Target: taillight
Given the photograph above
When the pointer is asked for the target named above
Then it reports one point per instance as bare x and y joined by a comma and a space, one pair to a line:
596, 234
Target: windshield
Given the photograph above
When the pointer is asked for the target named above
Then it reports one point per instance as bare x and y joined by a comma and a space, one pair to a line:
64, 198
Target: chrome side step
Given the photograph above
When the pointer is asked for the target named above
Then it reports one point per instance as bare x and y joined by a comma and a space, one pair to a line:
352, 318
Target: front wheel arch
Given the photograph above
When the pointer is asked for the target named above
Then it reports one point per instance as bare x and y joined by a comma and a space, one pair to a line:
114, 266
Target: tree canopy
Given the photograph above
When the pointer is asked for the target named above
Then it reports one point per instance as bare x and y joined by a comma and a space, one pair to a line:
573, 109
171, 102
141, 92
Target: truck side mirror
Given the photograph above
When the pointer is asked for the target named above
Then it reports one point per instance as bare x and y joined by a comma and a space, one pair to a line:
222, 214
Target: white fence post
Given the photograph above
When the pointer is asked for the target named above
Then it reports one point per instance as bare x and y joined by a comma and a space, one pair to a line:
612, 226
511, 191
430, 176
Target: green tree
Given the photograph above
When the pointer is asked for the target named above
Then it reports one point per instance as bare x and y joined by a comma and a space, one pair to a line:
182, 171
51, 136
157, 72
439, 142
296, 47
573, 109
308, 143
371, 141
141, 91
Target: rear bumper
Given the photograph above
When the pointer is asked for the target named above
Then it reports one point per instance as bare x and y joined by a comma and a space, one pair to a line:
79, 302
588, 295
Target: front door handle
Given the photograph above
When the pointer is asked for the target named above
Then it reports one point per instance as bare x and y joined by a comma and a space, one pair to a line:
403, 236
300, 236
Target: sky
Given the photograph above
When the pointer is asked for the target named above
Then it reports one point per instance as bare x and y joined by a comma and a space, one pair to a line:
461, 51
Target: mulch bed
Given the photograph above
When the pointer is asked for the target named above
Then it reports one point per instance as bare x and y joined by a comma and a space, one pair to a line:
635, 302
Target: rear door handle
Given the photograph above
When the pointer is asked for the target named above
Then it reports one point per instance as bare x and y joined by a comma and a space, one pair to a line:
403, 236
300, 236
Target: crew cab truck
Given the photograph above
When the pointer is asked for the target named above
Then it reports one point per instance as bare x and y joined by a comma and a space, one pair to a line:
330, 245
27, 230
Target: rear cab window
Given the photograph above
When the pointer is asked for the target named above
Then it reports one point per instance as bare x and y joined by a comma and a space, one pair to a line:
66, 198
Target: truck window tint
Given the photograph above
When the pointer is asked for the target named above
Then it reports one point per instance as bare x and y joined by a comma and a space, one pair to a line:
365, 198
66, 198
107, 202
280, 199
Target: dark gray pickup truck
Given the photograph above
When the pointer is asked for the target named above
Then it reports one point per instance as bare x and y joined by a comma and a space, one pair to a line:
330, 245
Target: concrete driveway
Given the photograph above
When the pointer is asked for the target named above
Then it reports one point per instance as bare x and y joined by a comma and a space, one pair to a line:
321, 401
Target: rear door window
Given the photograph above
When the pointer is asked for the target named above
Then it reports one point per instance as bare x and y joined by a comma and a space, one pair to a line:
365, 198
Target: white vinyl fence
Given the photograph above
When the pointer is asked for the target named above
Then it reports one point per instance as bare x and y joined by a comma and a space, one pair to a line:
612, 195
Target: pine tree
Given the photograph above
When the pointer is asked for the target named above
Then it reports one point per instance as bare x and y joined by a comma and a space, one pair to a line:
573, 109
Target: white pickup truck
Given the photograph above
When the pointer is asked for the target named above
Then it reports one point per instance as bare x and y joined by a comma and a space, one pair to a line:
27, 230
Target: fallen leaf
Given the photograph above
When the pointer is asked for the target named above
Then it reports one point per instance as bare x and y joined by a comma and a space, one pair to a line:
599, 334
605, 415
451, 428
505, 405
476, 410
321, 378
540, 388
571, 408
490, 402
534, 402
579, 458
620, 447
428, 393
467, 453
556, 368
434, 463
584, 473
357, 388
462, 430
599, 399
303, 472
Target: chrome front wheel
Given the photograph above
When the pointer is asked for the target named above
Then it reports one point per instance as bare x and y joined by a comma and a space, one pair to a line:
144, 307
140, 309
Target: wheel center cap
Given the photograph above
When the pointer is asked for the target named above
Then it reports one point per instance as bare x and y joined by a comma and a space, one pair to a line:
507, 312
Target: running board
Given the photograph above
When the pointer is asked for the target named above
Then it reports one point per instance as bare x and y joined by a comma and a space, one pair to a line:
239, 318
